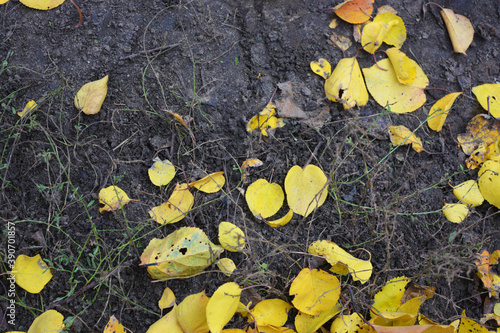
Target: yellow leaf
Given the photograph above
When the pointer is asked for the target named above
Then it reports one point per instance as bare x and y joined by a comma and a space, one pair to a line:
333, 24
305, 323
233, 330
264, 199
481, 131
455, 213
178, 118
468, 325
315, 291
272, 329
389, 298
347, 324
374, 33
354, 11
414, 329
162, 172
226, 266
167, 299
281, 221
385, 88
90, 97
231, 237
222, 306
396, 35
405, 69
496, 309
42, 4
412, 306
211, 183
488, 95
114, 326
346, 84
343, 43
31, 273
489, 181
30, 106
439, 111
3, 1
113, 198
191, 313
175, 209
306, 189
270, 312
265, 120
459, 28
167, 323
321, 67
394, 318
468, 193
341, 261
400, 135
49, 321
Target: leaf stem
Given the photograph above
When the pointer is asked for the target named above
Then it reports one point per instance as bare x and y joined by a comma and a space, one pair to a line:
79, 12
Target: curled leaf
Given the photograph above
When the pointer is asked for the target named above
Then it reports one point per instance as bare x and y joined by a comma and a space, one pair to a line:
439, 111
31, 273
281, 221
30, 106
211, 183
167, 299
400, 135
265, 121
175, 209
459, 28
91, 95
405, 69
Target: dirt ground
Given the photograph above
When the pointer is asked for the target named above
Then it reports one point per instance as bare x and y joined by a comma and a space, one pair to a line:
220, 62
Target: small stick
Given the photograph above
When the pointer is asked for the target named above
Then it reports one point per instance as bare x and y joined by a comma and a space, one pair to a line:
79, 12
132, 56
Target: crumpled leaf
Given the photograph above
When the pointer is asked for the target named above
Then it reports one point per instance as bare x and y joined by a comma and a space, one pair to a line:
30, 106
265, 121
31, 273
488, 96
91, 95
354, 11
414, 290
167, 299
286, 105
321, 67
489, 181
222, 306
185, 252
161, 172
42, 4
459, 28
306, 189
389, 298
270, 312
347, 323
167, 323
400, 135
231, 237
49, 321
210, 184
191, 313
281, 221
226, 266
114, 326
264, 199
456, 212
468, 193
305, 323
314, 291
481, 131
343, 43
405, 69
113, 198
175, 209
491, 280
385, 88
386, 28
341, 261
180, 119
439, 111
249, 163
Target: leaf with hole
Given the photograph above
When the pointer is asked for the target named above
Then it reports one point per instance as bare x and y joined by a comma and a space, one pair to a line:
389, 298
113, 326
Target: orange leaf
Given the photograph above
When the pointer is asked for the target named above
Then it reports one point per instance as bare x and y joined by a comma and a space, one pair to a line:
490, 280
354, 11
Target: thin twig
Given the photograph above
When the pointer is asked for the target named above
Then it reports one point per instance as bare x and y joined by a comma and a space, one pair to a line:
161, 48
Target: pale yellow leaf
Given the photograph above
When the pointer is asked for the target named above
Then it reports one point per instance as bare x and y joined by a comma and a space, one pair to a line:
231, 237
175, 209
489, 181
31, 273
113, 198
191, 313
455, 213
270, 312
161, 172
347, 323
400, 135
222, 306
91, 95
459, 28
468, 193
49, 321
281, 221
389, 298
210, 184
264, 199
226, 266
306, 189
405, 69
167, 323
42, 4
305, 323
346, 84
439, 111
167, 299
488, 95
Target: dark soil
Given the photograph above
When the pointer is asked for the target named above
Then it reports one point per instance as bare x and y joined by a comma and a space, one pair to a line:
220, 62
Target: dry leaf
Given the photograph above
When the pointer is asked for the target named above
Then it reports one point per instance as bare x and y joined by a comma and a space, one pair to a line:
333, 24
265, 121
386, 9
114, 326
30, 106
90, 97
488, 96
191, 313
161, 172
113, 198
319, 118
42, 4
354, 11
400, 135
343, 43
489, 181
231, 237
386, 28
264, 199
180, 119
249, 163
49, 321
175, 209
167, 299
31, 273
321, 67
459, 28
286, 105
210, 184
389, 298
455, 213
222, 306
415, 290
439, 111
350, 323
468, 193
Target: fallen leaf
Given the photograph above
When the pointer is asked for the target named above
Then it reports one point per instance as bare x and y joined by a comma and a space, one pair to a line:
264, 199
314, 291
305, 323
191, 313
414, 329
389, 298
333, 24
49, 321
385, 88
386, 28
113, 198
167, 299
400, 135
175, 209
281, 221
491, 280
185, 252
167, 323
270, 312
412, 306
31, 273
231, 237
488, 95
321, 67
346, 84
468, 325
249, 163
319, 118
455, 213
489, 181
265, 121
226, 266
114, 326
440, 110
405, 69
414, 290
482, 131
350, 323
222, 306
468, 193
459, 28
42, 4
354, 11
161, 172
90, 97
394, 318
482, 153
306, 189
286, 105
343, 43
179, 119
3, 1
341, 261
210, 184
30, 106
